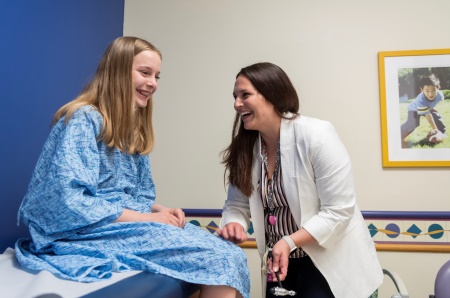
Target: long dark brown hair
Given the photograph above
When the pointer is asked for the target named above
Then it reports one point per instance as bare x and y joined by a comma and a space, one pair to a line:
276, 87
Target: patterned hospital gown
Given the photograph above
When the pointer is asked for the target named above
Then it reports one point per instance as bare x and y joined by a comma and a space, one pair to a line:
80, 186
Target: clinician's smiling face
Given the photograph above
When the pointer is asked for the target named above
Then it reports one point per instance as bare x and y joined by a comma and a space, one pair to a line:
145, 75
254, 109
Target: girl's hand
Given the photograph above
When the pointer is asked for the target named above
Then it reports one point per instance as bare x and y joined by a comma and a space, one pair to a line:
164, 217
161, 214
175, 212
179, 214
233, 232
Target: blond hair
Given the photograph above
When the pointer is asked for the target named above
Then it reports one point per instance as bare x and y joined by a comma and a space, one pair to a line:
124, 126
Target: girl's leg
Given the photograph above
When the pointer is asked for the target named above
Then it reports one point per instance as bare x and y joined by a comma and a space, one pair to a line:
207, 291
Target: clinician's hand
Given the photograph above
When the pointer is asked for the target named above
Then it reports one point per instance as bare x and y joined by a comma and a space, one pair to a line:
233, 232
280, 259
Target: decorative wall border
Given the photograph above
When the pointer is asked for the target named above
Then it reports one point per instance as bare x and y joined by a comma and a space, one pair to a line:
405, 231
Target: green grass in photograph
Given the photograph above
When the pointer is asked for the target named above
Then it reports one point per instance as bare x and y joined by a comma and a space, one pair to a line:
417, 139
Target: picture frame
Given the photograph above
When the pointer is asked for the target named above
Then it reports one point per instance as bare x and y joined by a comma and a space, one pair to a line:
400, 75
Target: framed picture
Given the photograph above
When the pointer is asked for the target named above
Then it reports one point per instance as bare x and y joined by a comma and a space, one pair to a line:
415, 108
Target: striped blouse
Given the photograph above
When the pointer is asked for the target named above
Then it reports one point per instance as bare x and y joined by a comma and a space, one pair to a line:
285, 223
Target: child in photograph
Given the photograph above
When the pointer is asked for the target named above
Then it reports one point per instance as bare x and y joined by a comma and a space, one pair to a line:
424, 105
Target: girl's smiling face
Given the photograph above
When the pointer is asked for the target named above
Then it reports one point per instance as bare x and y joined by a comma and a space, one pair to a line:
145, 75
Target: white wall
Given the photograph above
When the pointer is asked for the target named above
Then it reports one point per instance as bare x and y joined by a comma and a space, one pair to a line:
329, 50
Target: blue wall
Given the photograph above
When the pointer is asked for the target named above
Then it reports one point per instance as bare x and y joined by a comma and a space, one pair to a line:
49, 49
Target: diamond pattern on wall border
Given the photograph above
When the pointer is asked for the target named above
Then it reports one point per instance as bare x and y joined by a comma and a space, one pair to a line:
381, 230
417, 231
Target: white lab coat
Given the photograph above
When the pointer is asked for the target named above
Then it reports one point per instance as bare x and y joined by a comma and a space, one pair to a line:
318, 184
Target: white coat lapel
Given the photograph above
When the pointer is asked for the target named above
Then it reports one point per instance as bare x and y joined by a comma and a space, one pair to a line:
289, 164
255, 200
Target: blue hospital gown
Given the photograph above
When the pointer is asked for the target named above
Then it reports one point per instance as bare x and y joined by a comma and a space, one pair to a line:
80, 186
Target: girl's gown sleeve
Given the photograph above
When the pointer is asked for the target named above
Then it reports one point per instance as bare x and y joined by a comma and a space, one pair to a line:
62, 197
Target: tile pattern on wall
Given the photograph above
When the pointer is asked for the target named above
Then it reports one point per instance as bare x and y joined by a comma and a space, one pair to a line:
410, 231
382, 230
